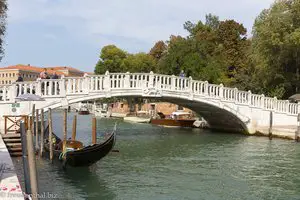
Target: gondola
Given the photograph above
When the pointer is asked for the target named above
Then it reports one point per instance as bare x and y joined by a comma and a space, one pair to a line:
75, 154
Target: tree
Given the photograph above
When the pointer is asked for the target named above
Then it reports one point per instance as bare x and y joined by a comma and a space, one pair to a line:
232, 36
3, 15
140, 62
158, 50
276, 48
111, 59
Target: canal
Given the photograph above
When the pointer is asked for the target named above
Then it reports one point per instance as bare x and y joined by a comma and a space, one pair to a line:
156, 163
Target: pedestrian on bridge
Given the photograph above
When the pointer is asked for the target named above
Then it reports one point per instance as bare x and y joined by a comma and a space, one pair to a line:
20, 79
182, 74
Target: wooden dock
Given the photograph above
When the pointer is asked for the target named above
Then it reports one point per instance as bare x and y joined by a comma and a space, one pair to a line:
10, 188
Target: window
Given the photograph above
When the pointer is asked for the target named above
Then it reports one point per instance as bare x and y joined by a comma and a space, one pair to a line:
122, 105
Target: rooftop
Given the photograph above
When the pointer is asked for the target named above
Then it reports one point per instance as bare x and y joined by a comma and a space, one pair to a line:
65, 68
32, 68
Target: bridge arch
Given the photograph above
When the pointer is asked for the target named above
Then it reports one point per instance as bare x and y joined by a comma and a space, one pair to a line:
218, 118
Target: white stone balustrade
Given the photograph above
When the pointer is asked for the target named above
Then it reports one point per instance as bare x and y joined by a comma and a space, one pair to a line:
72, 86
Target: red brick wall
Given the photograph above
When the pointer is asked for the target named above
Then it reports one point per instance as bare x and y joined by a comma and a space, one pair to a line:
164, 107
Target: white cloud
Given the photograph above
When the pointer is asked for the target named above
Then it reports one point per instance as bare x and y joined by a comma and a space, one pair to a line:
143, 20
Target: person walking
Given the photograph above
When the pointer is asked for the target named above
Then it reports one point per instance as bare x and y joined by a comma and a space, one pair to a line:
182, 74
55, 83
44, 74
20, 79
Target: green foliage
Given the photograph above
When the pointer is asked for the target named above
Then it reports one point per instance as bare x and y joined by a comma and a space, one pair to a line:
3, 15
140, 62
111, 59
276, 48
219, 52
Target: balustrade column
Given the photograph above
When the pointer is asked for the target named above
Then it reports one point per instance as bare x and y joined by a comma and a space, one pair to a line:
127, 80
13, 92
249, 97
205, 87
262, 101
221, 91
86, 84
173, 82
151, 77
62, 87
287, 105
274, 106
191, 89
236, 98
38, 88
107, 84
4, 94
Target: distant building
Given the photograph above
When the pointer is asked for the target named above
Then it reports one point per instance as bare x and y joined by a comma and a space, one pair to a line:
68, 71
9, 75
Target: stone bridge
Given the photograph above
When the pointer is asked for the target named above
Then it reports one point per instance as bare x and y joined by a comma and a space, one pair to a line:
224, 108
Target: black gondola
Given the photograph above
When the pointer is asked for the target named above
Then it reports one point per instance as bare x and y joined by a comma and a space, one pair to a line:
83, 156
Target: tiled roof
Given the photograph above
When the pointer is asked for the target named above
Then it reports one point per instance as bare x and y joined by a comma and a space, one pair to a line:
31, 68
63, 68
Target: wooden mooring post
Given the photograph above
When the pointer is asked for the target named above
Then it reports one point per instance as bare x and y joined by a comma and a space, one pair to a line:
23, 130
42, 133
32, 118
65, 129
297, 133
36, 129
271, 126
94, 130
32, 165
50, 134
74, 127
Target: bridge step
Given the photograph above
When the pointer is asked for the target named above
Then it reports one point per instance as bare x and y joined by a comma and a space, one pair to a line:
16, 154
13, 149
13, 144
12, 140
11, 136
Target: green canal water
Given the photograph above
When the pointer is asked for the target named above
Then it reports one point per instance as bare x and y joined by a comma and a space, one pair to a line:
156, 163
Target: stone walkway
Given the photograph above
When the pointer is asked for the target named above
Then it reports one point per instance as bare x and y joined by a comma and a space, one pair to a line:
10, 188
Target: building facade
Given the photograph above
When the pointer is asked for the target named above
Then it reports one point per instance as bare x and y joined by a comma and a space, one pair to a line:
67, 71
9, 75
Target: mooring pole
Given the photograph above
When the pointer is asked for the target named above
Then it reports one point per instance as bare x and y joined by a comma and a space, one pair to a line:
32, 119
74, 127
297, 135
32, 165
25, 158
65, 129
94, 130
271, 125
42, 132
50, 134
36, 129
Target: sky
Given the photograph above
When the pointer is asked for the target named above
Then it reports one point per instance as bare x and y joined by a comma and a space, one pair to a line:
49, 33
